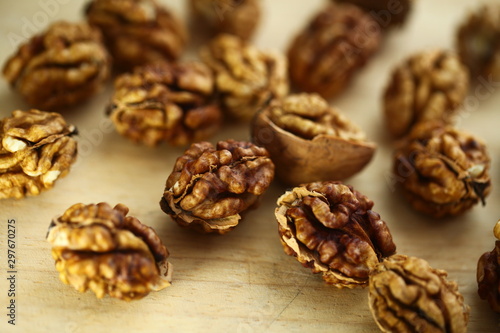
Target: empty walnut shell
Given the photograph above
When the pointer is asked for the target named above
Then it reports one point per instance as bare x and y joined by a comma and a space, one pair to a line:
165, 103
36, 149
488, 274
407, 295
330, 228
310, 141
60, 67
100, 248
338, 41
245, 77
138, 32
239, 18
427, 86
441, 170
210, 187
478, 43
387, 13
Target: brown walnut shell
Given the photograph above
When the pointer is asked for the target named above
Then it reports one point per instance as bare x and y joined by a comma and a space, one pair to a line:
387, 13
100, 248
488, 274
210, 186
334, 46
330, 228
441, 170
62, 66
138, 32
407, 295
310, 141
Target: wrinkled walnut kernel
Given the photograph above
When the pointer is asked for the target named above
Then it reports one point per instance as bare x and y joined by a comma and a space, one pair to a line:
441, 170
478, 42
407, 295
488, 274
245, 77
388, 13
36, 150
99, 248
330, 228
239, 18
337, 42
138, 32
210, 186
165, 102
60, 67
299, 128
428, 86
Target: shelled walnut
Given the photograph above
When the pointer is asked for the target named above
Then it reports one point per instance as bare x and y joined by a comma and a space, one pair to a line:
62, 66
210, 187
441, 170
299, 129
388, 13
246, 78
478, 42
335, 45
488, 274
138, 32
165, 102
239, 18
100, 248
36, 149
330, 228
430, 85
407, 295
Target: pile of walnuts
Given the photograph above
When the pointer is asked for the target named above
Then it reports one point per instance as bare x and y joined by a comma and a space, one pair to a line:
284, 98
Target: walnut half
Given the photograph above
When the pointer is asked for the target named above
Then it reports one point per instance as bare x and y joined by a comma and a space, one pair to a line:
488, 274
407, 295
100, 248
330, 228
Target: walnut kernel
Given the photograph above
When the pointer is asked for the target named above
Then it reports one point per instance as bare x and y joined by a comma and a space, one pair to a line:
488, 274
388, 13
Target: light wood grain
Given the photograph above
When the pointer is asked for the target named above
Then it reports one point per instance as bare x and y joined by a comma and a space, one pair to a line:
243, 281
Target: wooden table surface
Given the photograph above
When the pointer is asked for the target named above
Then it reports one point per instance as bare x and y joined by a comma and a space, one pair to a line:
243, 281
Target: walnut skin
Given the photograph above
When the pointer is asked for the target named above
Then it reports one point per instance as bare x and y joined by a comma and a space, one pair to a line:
407, 295
299, 128
488, 274
210, 186
441, 170
330, 228
165, 102
246, 78
138, 32
60, 67
427, 86
99, 248
239, 18
36, 149
478, 42
388, 13
324, 57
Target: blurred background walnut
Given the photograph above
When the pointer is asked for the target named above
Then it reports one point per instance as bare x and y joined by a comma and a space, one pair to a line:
36, 149
407, 295
488, 274
99, 248
310, 141
478, 42
427, 86
330, 228
138, 32
210, 187
441, 170
387, 13
335, 44
245, 77
165, 102
236, 17
60, 67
